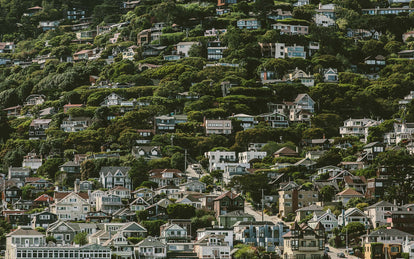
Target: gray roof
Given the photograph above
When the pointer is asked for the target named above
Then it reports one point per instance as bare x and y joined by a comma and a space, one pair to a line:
312, 207
25, 231
389, 232
151, 242
256, 223
113, 169
237, 213
381, 203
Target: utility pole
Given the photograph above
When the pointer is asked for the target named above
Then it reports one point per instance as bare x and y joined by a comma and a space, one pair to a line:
346, 240
262, 205
185, 160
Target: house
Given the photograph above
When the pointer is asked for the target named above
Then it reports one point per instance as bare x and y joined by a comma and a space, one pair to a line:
152, 50
173, 233
212, 246
302, 76
112, 100
229, 219
303, 240
48, 25
218, 127
226, 2
272, 50
291, 29
38, 127
7, 47
70, 168
402, 220
18, 173
71, 206
121, 191
69, 106
193, 186
292, 197
75, 14
12, 194
301, 3
13, 111
357, 127
247, 121
215, 49
295, 52
43, 200
304, 212
285, 152
279, 14
147, 152
85, 54
387, 236
151, 247
184, 47
22, 236
231, 171
228, 202
325, 15
408, 247
328, 221
168, 190
216, 158
387, 11
165, 123
348, 194
207, 202
138, 204
130, 5
164, 177
315, 155
214, 32
247, 156
330, 75
32, 161
129, 53
38, 184
274, 119
109, 203
35, 99
112, 176
43, 219
353, 215
75, 124
249, 24
357, 183
260, 233
226, 232
83, 186
409, 35
375, 64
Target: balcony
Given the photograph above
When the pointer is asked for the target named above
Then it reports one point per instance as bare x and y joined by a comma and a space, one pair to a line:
308, 248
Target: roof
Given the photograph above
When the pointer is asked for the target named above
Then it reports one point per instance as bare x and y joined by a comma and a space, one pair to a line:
70, 163
25, 231
349, 192
105, 170
151, 242
256, 223
228, 194
389, 232
312, 207
286, 151
44, 197
61, 195
237, 213
157, 173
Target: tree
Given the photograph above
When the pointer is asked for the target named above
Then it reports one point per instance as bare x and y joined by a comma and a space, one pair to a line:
207, 179
327, 193
399, 168
50, 167
153, 226
5, 129
138, 172
180, 211
354, 230
81, 238
331, 157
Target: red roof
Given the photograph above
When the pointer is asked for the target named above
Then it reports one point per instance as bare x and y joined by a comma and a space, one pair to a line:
227, 194
73, 105
349, 192
44, 198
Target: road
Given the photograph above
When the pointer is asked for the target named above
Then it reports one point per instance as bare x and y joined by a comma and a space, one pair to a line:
258, 215
333, 251
193, 174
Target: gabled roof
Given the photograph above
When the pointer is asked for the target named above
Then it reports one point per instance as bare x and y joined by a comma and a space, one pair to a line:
24, 231
382, 204
389, 232
132, 227
150, 242
228, 194
112, 170
350, 192
285, 151
43, 198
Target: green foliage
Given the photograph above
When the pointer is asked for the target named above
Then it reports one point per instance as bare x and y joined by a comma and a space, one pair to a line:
153, 226
180, 211
81, 238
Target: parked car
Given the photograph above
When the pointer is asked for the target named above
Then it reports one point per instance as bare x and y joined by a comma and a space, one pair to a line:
341, 255
327, 249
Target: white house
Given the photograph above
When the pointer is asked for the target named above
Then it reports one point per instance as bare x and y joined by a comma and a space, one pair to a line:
357, 127
218, 157
328, 220
231, 171
212, 246
377, 211
226, 232
245, 157
184, 47
151, 247
353, 215
112, 176
73, 206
